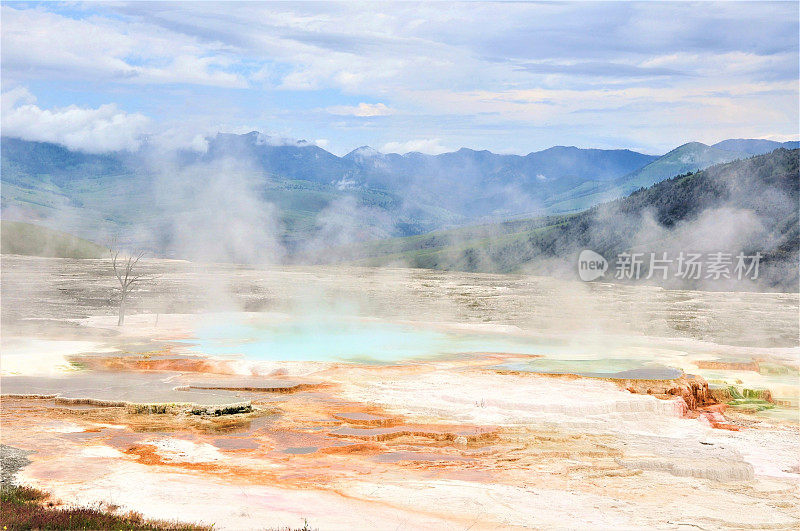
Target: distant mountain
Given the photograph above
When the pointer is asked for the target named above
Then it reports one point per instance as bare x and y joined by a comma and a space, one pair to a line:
748, 205
693, 156
147, 197
479, 172
29, 159
310, 194
584, 164
483, 185
560, 166
690, 157
97, 195
372, 159
754, 146
298, 160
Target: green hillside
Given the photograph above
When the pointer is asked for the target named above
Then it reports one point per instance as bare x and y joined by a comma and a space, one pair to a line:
690, 157
456, 248
33, 240
765, 187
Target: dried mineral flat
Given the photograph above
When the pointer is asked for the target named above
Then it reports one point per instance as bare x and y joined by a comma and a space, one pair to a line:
527, 408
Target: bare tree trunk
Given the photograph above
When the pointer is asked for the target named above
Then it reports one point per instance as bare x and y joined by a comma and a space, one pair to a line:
126, 279
121, 311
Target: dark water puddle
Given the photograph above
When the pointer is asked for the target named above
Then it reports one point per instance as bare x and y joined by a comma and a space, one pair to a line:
394, 457
124, 440
356, 415
286, 441
300, 450
604, 368
235, 443
365, 432
82, 435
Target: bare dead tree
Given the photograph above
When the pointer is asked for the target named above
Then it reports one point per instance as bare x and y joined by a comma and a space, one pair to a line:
123, 270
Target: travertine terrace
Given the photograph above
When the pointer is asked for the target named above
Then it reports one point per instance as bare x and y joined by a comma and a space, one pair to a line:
140, 417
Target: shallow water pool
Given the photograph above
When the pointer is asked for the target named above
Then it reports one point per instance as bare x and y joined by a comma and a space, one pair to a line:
348, 339
596, 368
373, 341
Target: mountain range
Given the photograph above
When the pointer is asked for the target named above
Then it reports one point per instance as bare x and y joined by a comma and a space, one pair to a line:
146, 194
748, 206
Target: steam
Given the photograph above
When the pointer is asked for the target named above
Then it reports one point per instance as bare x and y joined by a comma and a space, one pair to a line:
735, 212
213, 212
215, 206
341, 225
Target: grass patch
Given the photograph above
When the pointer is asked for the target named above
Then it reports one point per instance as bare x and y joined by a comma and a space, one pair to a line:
780, 370
750, 399
25, 508
35, 240
751, 404
78, 366
155, 409
216, 411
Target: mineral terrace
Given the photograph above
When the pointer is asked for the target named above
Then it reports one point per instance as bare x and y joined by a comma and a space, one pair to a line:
502, 401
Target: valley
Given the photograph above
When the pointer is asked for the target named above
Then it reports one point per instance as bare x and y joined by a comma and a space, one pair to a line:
305, 192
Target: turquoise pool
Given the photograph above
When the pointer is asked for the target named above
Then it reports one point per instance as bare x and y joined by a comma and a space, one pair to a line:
370, 341
346, 339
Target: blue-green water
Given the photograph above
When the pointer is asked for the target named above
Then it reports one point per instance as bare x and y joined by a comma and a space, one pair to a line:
373, 341
348, 340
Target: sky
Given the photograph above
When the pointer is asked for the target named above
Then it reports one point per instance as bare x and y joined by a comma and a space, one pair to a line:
434, 77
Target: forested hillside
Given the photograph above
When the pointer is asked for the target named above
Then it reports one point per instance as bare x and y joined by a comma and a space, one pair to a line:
749, 206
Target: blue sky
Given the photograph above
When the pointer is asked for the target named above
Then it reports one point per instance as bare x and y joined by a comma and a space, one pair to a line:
511, 77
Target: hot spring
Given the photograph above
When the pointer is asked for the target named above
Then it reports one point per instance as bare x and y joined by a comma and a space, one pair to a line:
374, 341
346, 339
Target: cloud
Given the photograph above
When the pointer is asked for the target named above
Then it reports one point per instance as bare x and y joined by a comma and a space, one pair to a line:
362, 110
455, 74
598, 69
188, 69
11, 98
280, 140
102, 48
173, 138
103, 129
430, 146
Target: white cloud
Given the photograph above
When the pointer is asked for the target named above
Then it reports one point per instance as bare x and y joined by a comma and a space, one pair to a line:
17, 95
105, 128
430, 146
280, 140
362, 110
527, 71
102, 48
189, 69
180, 138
